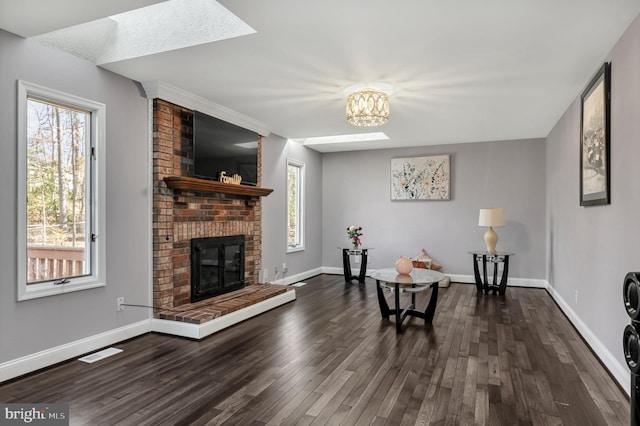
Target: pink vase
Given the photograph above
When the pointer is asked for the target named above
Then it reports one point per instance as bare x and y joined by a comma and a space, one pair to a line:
404, 265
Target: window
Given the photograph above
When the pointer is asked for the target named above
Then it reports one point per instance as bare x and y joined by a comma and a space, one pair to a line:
295, 182
61, 238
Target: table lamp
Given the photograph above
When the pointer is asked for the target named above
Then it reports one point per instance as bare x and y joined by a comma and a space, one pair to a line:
491, 217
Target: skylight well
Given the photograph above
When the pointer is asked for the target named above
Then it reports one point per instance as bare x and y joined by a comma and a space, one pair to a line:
161, 27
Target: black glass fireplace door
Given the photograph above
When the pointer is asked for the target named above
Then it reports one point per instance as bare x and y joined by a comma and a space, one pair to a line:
217, 266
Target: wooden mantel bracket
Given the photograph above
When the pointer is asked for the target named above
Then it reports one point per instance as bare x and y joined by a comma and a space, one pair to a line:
195, 184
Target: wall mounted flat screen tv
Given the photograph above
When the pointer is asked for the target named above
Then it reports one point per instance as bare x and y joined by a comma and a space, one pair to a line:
220, 146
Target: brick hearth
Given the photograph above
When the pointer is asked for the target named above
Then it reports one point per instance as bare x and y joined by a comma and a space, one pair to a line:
215, 307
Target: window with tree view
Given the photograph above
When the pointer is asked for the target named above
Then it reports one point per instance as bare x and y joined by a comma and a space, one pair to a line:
61, 192
58, 191
295, 175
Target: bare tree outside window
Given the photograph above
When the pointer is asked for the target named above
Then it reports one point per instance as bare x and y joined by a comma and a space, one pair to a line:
57, 191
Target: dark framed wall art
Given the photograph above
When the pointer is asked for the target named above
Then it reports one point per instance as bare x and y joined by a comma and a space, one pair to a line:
595, 111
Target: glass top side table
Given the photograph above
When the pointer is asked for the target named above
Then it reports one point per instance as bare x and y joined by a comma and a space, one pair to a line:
483, 257
346, 263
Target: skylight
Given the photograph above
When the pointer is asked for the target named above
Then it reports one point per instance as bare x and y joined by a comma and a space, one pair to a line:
355, 137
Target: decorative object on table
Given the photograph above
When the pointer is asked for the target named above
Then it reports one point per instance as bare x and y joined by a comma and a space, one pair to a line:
367, 107
423, 261
404, 265
421, 178
491, 217
422, 256
595, 108
354, 233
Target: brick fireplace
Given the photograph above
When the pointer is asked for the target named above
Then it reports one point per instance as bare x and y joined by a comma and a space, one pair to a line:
181, 214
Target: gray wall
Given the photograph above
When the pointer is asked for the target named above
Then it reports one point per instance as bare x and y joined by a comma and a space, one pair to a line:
35, 325
356, 191
591, 249
275, 151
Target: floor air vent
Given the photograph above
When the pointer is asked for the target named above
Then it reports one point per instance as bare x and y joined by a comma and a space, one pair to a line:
97, 356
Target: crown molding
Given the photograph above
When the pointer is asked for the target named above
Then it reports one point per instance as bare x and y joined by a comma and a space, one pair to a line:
167, 92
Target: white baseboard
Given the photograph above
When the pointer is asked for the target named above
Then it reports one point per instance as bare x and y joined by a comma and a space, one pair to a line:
511, 282
334, 271
26, 364
619, 371
199, 331
292, 279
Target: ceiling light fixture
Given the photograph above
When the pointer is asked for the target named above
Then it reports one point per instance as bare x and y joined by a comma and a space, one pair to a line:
367, 107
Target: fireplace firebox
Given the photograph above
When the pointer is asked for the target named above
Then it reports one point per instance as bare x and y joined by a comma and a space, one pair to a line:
217, 266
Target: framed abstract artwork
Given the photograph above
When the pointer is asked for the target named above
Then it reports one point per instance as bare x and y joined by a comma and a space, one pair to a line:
421, 178
595, 108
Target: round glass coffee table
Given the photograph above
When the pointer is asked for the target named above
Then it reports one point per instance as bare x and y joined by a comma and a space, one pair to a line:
418, 280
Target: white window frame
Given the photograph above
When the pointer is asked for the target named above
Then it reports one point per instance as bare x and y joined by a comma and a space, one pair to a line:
299, 207
96, 153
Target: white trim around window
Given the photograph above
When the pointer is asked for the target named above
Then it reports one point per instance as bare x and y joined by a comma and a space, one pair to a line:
95, 152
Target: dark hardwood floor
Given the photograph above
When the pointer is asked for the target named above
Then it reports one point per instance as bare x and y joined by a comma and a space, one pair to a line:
329, 358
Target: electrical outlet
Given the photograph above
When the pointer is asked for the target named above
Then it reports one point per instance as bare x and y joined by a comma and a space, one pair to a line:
284, 268
120, 304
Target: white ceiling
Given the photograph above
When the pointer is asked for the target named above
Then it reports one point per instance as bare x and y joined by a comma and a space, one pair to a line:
459, 70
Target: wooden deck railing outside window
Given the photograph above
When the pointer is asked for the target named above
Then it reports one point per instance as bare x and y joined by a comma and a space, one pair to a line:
54, 262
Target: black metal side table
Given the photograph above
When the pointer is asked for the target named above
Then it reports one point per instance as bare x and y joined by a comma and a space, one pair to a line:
496, 258
346, 263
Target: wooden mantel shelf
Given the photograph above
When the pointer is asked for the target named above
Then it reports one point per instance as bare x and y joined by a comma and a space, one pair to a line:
195, 184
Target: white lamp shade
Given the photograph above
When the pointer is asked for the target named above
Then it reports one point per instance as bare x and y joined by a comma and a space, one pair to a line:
491, 217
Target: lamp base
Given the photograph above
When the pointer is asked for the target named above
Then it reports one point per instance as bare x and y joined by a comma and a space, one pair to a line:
490, 239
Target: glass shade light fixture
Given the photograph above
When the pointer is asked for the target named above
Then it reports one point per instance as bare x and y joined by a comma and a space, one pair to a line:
491, 217
367, 107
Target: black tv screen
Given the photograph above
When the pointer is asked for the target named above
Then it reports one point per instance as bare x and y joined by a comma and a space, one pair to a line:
220, 146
